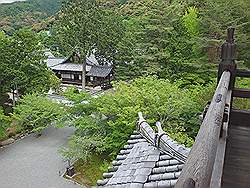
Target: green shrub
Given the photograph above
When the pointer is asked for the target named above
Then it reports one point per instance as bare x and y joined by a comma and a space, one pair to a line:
105, 123
4, 124
36, 112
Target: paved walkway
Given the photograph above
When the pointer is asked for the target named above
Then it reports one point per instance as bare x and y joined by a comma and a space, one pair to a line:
35, 162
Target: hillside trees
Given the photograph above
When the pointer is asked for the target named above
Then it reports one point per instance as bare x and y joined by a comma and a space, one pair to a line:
21, 64
218, 15
181, 39
165, 40
88, 27
18, 15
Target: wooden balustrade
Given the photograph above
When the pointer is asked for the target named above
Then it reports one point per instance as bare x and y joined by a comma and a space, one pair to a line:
198, 168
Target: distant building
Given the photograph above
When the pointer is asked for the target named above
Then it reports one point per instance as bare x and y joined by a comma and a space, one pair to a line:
71, 73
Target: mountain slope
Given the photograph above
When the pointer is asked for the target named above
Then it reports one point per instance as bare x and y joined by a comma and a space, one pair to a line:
25, 14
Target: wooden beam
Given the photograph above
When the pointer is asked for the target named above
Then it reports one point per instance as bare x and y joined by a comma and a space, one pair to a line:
217, 173
243, 73
241, 93
200, 162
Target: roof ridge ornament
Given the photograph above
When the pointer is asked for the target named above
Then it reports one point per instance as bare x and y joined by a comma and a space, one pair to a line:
161, 140
159, 134
140, 121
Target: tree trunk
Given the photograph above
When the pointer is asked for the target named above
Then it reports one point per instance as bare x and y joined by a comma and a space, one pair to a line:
14, 100
83, 73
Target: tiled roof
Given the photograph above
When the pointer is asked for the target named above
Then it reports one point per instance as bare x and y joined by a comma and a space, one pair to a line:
149, 160
54, 61
48, 54
69, 67
64, 64
99, 71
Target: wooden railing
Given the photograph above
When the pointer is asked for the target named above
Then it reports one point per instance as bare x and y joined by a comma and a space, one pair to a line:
204, 166
198, 168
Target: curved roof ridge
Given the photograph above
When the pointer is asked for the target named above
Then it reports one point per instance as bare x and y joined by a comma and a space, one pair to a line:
102, 66
161, 140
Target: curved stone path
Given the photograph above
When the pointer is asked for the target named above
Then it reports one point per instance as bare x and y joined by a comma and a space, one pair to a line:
34, 162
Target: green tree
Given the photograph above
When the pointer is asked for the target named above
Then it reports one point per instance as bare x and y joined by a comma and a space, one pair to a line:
21, 64
105, 123
181, 39
164, 39
35, 112
85, 27
218, 15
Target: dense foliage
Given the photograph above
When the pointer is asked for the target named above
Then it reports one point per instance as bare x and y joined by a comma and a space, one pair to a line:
4, 124
180, 39
216, 16
170, 39
104, 123
21, 64
164, 38
87, 27
35, 112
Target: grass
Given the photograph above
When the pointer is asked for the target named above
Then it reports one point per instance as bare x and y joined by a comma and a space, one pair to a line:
87, 173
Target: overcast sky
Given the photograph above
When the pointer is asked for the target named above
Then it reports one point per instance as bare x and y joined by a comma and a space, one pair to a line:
9, 1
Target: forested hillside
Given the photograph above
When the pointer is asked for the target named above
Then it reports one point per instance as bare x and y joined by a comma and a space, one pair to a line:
17, 15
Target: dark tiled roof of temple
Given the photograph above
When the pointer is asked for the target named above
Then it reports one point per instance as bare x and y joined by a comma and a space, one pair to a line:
69, 67
149, 160
99, 71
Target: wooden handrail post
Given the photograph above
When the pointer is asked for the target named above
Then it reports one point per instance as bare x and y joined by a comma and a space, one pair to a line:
228, 57
200, 162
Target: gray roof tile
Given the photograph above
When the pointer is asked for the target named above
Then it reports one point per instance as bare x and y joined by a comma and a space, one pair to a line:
140, 179
142, 164
165, 176
168, 162
99, 71
165, 157
108, 175
174, 168
144, 171
54, 61
136, 185
69, 67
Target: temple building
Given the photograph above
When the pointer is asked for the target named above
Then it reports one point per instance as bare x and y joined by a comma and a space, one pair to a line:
69, 70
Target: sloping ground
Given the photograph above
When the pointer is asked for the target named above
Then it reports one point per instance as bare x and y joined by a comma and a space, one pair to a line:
35, 162
236, 171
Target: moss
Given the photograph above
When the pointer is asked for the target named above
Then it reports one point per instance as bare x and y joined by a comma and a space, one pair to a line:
87, 173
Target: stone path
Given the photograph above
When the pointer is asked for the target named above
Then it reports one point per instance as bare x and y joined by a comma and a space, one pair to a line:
34, 162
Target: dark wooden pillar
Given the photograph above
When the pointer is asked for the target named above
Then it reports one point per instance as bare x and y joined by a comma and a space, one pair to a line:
228, 56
